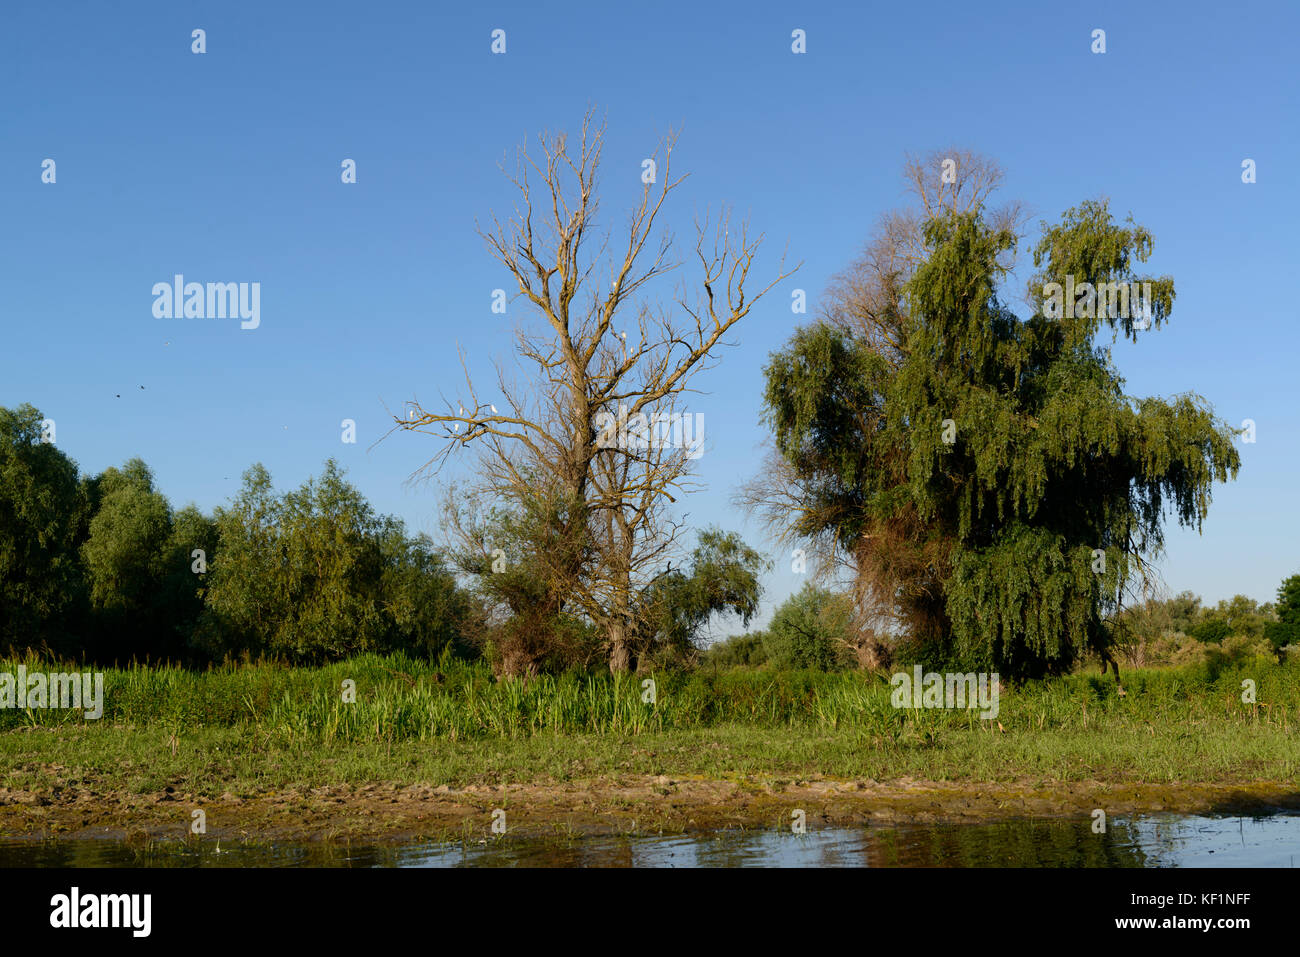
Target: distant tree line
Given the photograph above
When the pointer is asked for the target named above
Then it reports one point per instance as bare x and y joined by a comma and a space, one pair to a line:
814, 629
103, 568
1180, 629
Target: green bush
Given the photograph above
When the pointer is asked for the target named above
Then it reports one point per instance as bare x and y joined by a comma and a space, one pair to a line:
810, 630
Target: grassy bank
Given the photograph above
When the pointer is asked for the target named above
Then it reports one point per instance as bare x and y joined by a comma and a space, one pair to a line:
400, 699
268, 740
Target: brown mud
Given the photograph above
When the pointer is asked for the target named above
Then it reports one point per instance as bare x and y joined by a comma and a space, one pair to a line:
385, 813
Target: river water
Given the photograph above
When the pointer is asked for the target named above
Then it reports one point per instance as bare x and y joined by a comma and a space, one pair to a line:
1159, 840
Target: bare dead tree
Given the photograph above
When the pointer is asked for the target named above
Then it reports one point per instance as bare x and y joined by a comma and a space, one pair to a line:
604, 346
637, 477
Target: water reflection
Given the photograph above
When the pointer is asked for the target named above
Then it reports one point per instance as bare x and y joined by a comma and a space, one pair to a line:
1147, 841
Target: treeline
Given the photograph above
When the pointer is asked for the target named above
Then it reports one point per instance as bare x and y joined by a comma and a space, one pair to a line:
814, 629
103, 568
1180, 630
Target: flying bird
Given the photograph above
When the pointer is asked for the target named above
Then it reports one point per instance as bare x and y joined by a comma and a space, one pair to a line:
493, 408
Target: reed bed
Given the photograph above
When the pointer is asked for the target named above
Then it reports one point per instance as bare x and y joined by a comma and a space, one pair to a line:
402, 699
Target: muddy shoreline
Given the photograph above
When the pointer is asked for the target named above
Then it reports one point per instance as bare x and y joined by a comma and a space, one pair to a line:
389, 814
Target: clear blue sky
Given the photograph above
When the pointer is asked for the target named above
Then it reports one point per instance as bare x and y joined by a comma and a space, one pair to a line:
225, 167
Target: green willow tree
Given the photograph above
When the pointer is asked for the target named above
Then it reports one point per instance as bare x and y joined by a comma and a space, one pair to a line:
996, 491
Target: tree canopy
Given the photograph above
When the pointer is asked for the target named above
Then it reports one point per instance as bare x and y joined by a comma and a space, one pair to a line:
102, 568
315, 574
992, 484
43, 507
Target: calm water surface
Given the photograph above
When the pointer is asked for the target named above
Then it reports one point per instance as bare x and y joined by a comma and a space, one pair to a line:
1167, 840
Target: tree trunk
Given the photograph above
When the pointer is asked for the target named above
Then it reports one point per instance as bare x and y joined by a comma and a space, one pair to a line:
620, 648
873, 654
518, 663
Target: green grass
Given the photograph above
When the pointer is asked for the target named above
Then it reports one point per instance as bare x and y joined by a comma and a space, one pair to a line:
399, 699
266, 726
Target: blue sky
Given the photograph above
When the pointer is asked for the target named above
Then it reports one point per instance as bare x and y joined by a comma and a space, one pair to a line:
226, 167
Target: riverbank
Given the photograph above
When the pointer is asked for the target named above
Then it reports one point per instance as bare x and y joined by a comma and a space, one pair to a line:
387, 747
115, 782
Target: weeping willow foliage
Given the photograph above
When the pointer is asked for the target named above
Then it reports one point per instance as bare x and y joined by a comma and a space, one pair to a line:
993, 484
